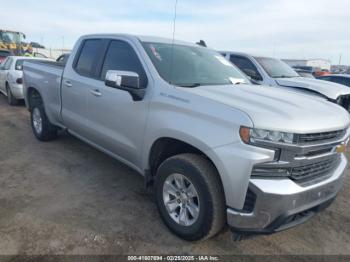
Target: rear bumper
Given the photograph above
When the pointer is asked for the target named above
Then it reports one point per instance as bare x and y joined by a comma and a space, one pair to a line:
17, 91
282, 203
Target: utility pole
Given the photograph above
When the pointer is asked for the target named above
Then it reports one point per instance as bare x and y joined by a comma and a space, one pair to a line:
340, 58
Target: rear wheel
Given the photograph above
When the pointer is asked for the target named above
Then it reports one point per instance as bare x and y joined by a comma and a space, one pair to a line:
41, 126
11, 100
190, 197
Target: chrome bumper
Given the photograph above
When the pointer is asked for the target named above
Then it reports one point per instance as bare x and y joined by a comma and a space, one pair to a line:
282, 203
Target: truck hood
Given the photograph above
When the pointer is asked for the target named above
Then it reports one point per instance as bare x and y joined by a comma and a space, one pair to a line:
326, 88
277, 109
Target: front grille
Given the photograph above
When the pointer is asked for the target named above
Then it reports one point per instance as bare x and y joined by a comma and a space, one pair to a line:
344, 101
320, 137
316, 170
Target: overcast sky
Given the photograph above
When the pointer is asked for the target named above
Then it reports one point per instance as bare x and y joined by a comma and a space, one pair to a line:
280, 28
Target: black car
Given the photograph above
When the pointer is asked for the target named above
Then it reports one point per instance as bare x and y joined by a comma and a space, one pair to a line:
340, 79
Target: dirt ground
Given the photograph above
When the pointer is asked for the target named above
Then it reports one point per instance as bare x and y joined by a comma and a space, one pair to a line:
65, 197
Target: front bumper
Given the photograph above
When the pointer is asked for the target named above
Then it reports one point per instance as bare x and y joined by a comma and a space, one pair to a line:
282, 203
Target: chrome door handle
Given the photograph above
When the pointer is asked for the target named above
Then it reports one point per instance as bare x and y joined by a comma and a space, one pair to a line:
68, 84
96, 92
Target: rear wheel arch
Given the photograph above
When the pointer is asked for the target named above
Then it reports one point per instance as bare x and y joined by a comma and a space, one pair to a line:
33, 96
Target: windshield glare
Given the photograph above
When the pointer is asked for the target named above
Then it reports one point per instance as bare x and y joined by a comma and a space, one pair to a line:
276, 68
192, 66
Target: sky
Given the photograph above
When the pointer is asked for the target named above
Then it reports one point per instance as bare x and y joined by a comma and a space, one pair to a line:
297, 29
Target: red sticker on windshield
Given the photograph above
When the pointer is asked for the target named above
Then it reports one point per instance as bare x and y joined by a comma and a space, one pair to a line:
155, 53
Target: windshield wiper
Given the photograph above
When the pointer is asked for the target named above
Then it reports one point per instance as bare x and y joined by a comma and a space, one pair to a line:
190, 85
283, 76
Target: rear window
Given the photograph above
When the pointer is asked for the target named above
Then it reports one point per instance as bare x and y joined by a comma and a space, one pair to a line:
19, 64
88, 56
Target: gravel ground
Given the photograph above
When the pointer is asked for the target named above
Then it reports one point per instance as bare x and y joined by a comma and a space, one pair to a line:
65, 197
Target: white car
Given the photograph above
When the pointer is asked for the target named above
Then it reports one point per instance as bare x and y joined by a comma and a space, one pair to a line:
11, 77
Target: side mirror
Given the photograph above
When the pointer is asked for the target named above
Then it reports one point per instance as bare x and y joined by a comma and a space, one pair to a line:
127, 81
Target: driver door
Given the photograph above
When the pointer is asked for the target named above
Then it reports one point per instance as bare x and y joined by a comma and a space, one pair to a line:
117, 122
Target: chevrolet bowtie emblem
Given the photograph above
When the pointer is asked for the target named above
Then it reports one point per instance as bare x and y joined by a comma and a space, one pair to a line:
340, 149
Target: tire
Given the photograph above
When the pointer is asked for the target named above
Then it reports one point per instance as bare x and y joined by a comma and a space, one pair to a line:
11, 100
210, 200
41, 126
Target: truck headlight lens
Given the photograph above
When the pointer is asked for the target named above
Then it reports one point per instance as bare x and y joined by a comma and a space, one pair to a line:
251, 135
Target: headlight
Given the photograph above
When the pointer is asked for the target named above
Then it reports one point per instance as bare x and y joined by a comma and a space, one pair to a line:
251, 135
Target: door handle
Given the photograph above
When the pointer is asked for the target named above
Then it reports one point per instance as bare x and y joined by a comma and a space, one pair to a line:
68, 84
96, 92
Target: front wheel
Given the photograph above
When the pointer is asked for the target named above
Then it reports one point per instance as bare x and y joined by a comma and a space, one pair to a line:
190, 197
41, 126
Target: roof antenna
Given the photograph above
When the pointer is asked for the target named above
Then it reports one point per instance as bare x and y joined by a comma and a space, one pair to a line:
202, 43
172, 48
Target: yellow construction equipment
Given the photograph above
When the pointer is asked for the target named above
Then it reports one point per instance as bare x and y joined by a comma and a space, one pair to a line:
13, 41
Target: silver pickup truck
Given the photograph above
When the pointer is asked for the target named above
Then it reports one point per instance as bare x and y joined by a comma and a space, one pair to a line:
214, 149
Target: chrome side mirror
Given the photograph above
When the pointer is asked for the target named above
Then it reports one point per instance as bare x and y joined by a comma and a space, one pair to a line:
127, 81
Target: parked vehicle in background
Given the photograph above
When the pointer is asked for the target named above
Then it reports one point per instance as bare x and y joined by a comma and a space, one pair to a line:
4, 53
13, 41
62, 59
39, 55
215, 149
304, 73
342, 79
321, 73
274, 72
11, 81
310, 69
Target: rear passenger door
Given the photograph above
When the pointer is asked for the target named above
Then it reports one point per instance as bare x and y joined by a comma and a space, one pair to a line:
77, 81
117, 122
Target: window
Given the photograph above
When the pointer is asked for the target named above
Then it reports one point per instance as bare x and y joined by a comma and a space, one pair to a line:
7, 63
19, 63
326, 78
346, 81
339, 80
276, 68
191, 66
121, 56
88, 57
245, 65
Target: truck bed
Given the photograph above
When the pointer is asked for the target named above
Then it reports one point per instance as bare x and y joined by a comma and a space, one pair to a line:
46, 77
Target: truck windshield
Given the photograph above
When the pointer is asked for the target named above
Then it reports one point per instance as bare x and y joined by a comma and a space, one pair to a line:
191, 66
276, 68
10, 37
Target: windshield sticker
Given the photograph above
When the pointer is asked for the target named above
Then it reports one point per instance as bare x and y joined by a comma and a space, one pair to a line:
223, 60
155, 53
236, 81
